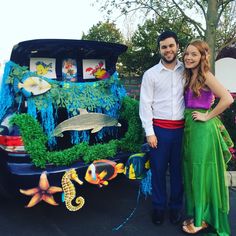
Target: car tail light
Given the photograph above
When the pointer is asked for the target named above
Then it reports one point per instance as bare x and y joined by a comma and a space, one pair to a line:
12, 143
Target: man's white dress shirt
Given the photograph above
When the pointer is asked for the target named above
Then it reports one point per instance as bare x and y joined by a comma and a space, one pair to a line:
161, 95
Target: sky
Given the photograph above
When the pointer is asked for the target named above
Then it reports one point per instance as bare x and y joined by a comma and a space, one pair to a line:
36, 19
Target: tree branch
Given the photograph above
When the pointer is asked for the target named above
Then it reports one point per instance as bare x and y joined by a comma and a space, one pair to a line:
135, 9
140, 5
196, 24
201, 6
222, 5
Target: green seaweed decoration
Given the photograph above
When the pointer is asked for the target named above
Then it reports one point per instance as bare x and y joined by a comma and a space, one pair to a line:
71, 95
17, 72
35, 140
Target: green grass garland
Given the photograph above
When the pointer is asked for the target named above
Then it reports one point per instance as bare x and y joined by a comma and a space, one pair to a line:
35, 140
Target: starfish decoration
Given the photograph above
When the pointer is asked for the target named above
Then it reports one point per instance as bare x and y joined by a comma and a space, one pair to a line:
43, 192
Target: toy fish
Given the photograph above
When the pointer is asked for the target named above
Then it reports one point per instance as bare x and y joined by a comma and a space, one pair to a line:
137, 166
100, 171
85, 121
32, 85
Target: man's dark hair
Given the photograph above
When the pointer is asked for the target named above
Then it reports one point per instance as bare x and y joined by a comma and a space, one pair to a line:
167, 34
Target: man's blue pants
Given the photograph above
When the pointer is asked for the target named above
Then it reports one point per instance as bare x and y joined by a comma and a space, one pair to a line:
168, 154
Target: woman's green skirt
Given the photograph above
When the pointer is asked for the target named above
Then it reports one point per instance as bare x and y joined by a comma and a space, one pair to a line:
204, 170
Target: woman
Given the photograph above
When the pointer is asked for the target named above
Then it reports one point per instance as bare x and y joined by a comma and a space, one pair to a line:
205, 149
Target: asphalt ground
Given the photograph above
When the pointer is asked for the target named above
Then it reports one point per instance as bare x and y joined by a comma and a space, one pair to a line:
105, 209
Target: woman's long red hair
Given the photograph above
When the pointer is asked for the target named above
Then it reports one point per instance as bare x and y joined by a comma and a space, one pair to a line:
204, 67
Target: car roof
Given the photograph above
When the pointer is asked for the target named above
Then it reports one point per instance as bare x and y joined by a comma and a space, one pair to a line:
59, 48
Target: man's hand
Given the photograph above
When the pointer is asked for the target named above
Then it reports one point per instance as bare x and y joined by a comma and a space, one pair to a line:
152, 141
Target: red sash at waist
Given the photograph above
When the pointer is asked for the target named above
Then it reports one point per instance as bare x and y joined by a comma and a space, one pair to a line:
169, 124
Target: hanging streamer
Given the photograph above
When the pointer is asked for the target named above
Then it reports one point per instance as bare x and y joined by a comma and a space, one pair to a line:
47, 116
146, 184
6, 91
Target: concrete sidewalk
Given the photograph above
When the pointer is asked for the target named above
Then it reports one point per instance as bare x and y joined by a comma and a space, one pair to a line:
140, 223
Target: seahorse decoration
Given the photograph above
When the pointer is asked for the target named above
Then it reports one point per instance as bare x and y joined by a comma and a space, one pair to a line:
69, 190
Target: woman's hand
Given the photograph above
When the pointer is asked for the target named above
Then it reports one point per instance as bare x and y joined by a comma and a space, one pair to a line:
196, 115
152, 141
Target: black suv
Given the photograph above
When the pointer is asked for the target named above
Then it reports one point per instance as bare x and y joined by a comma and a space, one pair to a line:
50, 81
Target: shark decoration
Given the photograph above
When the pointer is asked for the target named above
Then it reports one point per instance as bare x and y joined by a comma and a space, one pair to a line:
85, 121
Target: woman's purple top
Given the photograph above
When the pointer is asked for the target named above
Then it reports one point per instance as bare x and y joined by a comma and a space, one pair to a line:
202, 102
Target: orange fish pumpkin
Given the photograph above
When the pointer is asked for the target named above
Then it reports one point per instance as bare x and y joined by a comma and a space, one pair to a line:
100, 171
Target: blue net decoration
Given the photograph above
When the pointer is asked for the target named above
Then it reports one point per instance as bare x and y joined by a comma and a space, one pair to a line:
31, 108
146, 184
47, 116
6, 91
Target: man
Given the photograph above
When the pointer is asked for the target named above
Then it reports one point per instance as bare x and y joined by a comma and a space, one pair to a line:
161, 113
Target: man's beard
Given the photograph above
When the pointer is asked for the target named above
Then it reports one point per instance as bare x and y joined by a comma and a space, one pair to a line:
168, 61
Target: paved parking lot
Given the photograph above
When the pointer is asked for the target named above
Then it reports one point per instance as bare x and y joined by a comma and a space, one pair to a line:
105, 208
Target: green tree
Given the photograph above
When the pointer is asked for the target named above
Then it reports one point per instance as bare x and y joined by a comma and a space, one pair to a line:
204, 15
143, 52
226, 31
107, 32
104, 31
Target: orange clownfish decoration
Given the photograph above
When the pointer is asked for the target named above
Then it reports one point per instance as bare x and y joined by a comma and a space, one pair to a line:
100, 171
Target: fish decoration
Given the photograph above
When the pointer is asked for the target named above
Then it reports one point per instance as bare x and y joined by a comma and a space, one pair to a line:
31, 86
86, 121
136, 166
43, 68
101, 171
